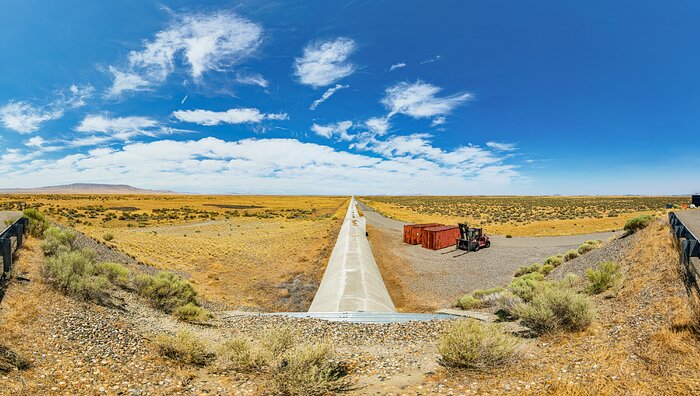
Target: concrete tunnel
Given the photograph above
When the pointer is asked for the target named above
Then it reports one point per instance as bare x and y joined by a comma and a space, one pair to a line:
352, 282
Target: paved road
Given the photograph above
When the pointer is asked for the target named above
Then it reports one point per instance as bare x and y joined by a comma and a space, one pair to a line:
422, 280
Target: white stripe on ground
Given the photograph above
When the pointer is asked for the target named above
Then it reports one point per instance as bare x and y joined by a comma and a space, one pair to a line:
352, 282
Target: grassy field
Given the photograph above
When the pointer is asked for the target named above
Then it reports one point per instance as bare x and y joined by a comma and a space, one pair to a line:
262, 252
524, 216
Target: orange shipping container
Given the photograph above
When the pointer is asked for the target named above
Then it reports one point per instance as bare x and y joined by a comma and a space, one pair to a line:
436, 238
412, 232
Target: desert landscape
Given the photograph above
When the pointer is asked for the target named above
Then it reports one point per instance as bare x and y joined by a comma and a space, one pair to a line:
315, 198
245, 258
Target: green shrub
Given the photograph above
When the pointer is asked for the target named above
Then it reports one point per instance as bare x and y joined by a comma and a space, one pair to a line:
9, 222
309, 369
73, 273
185, 348
37, 222
239, 355
570, 255
192, 313
57, 240
507, 303
554, 261
604, 276
509, 236
588, 246
165, 291
481, 293
637, 223
278, 341
116, 273
108, 237
524, 286
468, 301
556, 306
469, 344
528, 269
546, 269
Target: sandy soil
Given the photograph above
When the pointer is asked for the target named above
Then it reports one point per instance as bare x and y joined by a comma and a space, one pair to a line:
421, 280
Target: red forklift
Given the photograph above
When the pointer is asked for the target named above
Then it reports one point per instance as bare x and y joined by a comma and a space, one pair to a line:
472, 239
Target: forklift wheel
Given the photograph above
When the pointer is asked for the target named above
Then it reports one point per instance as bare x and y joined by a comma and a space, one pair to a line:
488, 244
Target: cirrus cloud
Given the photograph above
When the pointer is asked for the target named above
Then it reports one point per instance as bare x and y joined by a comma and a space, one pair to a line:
326, 62
231, 116
420, 100
206, 42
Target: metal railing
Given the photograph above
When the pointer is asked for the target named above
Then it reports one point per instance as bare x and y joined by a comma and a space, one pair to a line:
10, 240
689, 247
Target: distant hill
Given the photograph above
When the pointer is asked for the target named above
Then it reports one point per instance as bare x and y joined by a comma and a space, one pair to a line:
85, 188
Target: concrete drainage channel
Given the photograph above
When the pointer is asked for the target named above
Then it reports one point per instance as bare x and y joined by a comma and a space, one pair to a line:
352, 289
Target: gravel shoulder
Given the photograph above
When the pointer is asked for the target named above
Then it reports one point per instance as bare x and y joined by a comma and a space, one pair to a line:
422, 280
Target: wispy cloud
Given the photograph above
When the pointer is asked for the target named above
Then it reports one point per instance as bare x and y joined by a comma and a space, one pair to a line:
502, 146
438, 121
397, 66
252, 79
327, 95
207, 42
232, 116
24, 117
378, 125
338, 129
325, 62
431, 60
420, 100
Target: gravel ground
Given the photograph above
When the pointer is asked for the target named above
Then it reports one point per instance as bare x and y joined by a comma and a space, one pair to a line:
614, 250
435, 279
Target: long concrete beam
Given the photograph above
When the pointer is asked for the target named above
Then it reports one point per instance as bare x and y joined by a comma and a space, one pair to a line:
352, 282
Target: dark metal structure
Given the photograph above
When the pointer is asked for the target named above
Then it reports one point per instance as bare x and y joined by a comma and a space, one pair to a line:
695, 200
690, 250
10, 240
472, 239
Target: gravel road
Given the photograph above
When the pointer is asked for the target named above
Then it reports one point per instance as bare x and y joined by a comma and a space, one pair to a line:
424, 280
8, 215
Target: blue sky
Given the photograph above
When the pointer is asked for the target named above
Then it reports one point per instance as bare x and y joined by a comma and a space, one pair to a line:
358, 97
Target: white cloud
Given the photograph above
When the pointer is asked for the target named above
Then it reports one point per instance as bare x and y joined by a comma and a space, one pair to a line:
378, 126
397, 66
438, 121
116, 128
419, 100
502, 146
327, 95
418, 145
127, 81
23, 117
36, 141
206, 42
252, 79
274, 166
232, 116
339, 129
324, 63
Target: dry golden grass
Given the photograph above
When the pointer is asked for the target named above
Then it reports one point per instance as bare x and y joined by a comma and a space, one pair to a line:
524, 216
642, 343
21, 305
245, 252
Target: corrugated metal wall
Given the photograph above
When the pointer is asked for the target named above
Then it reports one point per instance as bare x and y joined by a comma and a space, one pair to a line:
352, 282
